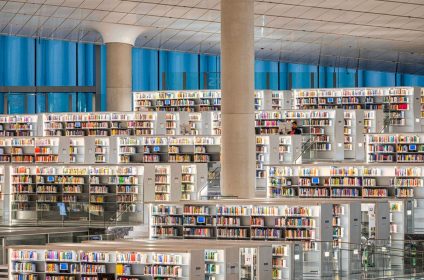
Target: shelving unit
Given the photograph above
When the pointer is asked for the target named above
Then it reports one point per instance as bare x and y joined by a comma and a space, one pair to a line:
227, 221
207, 149
79, 193
401, 223
321, 126
172, 124
22, 150
77, 150
347, 236
210, 100
422, 103
162, 182
155, 149
400, 148
18, 125
46, 149
353, 135
373, 121
144, 123
262, 158
259, 100
281, 100
129, 150
344, 181
102, 150
188, 182
289, 149
69, 262
401, 103
216, 123
242, 220
203, 100
110, 149
171, 101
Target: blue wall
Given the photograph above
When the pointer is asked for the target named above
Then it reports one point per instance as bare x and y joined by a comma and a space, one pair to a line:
42, 62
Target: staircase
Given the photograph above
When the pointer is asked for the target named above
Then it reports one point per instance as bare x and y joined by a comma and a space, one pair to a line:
212, 188
4, 272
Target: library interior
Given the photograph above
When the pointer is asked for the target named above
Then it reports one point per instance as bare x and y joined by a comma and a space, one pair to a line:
211, 139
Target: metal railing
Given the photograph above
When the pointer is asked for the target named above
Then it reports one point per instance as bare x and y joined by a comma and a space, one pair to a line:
213, 177
306, 147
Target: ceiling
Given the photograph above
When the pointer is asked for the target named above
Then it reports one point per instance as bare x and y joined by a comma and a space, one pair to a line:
386, 35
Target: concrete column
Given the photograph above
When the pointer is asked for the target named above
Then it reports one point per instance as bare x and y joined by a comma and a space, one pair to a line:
237, 79
119, 76
119, 40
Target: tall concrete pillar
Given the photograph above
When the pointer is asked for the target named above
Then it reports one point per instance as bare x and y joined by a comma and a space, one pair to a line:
119, 40
119, 76
238, 116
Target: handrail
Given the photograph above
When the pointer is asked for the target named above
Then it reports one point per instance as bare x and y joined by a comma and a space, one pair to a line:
386, 123
208, 182
305, 146
114, 218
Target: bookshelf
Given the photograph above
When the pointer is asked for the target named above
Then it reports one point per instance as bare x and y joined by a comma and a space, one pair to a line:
347, 236
144, 101
77, 150
129, 149
280, 182
22, 150
267, 122
144, 123
401, 103
353, 134
210, 100
207, 149
174, 181
289, 149
127, 261
97, 124
321, 126
172, 123
188, 182
180, 149
390, 147
18, 125
162, 182
109, 149
85, 193
155, 149
227, 221
215, 264
198, 222
262, 158
102, 150
202, 100
25, 265
422, 102
375, 220
401, 223
129, 190
259, 100
171, 101
281, 100
46, 149
373, 121
166, 221
344, 181
194, 123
